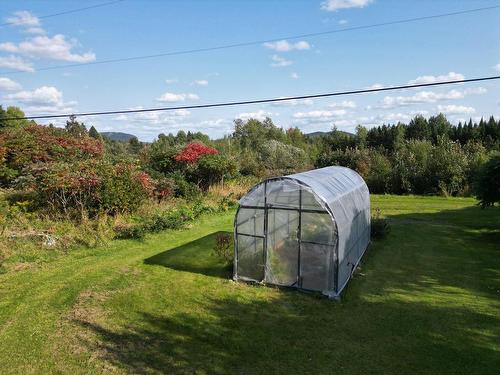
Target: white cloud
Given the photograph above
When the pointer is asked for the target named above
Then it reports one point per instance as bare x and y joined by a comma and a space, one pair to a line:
376, 86
41, 95
23, 18
170, 81
279, 62
285, 46
154, 118
6, 84
45, 99
258, 115
420, 98
171, 97
56, 48
16, 63
319, 115
334, 5
451, 76
455, 109
294, 75
394, 117
344, 104
497, 67
35, 30
201, 82
292, 102
343, 22
475, 91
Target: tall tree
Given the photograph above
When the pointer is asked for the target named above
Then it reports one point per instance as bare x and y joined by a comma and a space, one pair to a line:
75, 128
12, 113
94, 133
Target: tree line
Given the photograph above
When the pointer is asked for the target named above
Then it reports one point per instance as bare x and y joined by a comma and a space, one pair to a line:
76, 171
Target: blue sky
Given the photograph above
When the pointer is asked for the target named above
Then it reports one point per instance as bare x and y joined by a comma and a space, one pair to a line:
466, 45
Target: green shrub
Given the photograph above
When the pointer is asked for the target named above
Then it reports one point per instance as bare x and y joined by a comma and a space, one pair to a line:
162, 221
281, 158
487, 185
87, 187
123, 188
223, 247
212, 169
379, 226
184, 188
132, 231
227, 202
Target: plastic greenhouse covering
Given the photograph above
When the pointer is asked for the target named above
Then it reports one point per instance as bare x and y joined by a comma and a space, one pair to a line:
307, 230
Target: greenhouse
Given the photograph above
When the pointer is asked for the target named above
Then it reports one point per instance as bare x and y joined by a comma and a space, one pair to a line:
307, 230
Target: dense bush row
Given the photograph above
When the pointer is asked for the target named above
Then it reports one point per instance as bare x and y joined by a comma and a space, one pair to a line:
77, 173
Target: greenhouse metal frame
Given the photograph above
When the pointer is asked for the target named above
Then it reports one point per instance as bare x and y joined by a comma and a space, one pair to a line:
307, 230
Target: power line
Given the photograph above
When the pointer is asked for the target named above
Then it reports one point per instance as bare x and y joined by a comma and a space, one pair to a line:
258, 42
258, 101
67, 12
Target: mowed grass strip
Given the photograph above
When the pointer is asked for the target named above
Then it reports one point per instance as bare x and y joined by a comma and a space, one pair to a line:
425, 300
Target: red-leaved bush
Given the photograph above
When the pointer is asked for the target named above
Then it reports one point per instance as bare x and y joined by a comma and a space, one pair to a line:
192, 152
40, 144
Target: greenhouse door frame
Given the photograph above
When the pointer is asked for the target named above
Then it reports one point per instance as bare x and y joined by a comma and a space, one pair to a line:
299, 280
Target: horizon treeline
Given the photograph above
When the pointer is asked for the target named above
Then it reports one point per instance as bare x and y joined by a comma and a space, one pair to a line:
75, 167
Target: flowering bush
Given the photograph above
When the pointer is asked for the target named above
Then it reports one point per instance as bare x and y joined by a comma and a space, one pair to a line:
192, 152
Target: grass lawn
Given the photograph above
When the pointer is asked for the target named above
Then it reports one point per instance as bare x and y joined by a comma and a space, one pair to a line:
426, 300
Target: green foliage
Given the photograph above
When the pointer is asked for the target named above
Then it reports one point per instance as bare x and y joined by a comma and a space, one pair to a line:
487, 185
223, 247
94, 133
134, 146
337, 139
251, 134
280, 158
379, 225
12, 113
133, 231
169, 220
372, 164
75, 128
183, 188
121, 188
212, 169
85, 187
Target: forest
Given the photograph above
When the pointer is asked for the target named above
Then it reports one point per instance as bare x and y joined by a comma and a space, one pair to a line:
67, 187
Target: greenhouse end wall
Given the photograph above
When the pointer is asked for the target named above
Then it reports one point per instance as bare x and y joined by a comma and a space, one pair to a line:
287, 232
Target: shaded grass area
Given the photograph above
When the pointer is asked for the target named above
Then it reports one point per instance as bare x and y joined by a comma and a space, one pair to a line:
195, 256
426, 300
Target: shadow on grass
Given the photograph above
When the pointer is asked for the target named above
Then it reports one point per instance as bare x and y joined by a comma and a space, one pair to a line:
425, 303
196, 256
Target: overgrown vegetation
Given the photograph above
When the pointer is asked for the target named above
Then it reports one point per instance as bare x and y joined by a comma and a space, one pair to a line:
224, 247
69, 187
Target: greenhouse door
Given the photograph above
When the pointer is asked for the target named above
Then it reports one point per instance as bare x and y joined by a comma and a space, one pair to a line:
282, 246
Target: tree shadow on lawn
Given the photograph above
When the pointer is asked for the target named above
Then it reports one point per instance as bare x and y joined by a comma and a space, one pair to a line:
196, 256
457, 248
420, 305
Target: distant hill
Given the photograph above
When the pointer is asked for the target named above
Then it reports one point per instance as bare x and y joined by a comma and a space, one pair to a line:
323, 134
118, 136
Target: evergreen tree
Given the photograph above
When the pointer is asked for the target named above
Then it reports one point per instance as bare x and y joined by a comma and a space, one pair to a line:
134, 145
75, 128
94, 133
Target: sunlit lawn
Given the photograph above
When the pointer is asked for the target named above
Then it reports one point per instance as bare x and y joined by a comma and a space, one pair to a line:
426, 300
